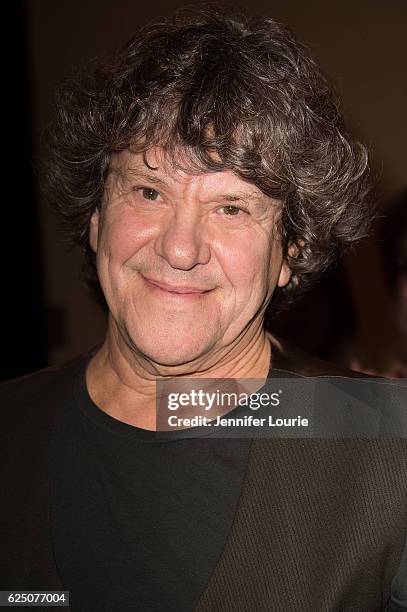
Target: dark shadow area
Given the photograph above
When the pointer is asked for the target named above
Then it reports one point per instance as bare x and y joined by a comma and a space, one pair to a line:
23, 334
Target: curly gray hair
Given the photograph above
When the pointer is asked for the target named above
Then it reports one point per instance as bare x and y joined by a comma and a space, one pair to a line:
216, 82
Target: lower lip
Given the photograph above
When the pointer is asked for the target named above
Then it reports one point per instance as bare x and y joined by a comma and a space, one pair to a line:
172, 294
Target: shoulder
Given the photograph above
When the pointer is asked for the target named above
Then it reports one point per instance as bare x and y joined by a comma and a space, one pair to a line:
34, 396
289, 359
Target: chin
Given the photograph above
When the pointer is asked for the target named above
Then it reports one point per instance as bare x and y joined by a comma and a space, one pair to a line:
167, 356
169, 351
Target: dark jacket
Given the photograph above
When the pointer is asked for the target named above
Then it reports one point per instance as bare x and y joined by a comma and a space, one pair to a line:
320, 525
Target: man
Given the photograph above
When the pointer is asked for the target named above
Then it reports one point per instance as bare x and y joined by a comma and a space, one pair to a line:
207, 175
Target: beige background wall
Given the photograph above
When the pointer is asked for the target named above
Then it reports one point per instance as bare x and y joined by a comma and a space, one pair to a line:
362, 45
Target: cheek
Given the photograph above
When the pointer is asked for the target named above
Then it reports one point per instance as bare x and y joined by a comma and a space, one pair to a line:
245, 260
123, 235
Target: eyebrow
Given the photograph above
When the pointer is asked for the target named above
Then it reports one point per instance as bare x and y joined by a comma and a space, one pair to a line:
241, 195
137, 174
252, 197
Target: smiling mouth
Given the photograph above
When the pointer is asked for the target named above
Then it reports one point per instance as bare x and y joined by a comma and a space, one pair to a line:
176, 289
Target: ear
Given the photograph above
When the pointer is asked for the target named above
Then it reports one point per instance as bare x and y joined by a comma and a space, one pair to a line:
285, 275
94, 230
285, 272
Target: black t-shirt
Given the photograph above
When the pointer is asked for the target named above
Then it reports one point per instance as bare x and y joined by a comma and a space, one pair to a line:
139, 519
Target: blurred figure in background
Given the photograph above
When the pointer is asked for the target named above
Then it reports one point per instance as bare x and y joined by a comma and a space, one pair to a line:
326, 321
393, 243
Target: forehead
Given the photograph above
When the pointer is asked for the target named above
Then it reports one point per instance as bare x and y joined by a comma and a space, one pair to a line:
177, 172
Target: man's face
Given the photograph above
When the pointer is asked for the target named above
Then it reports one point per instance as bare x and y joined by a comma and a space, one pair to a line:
187, 262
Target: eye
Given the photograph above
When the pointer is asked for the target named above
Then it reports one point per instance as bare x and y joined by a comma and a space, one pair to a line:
232, 211
148, 193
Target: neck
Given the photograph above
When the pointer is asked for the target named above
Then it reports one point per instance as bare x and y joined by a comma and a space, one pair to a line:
122, 382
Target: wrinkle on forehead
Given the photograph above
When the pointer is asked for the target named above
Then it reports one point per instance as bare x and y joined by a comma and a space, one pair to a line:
166, 168
168, 160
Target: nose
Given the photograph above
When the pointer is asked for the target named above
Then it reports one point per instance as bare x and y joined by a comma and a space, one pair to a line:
182, 241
